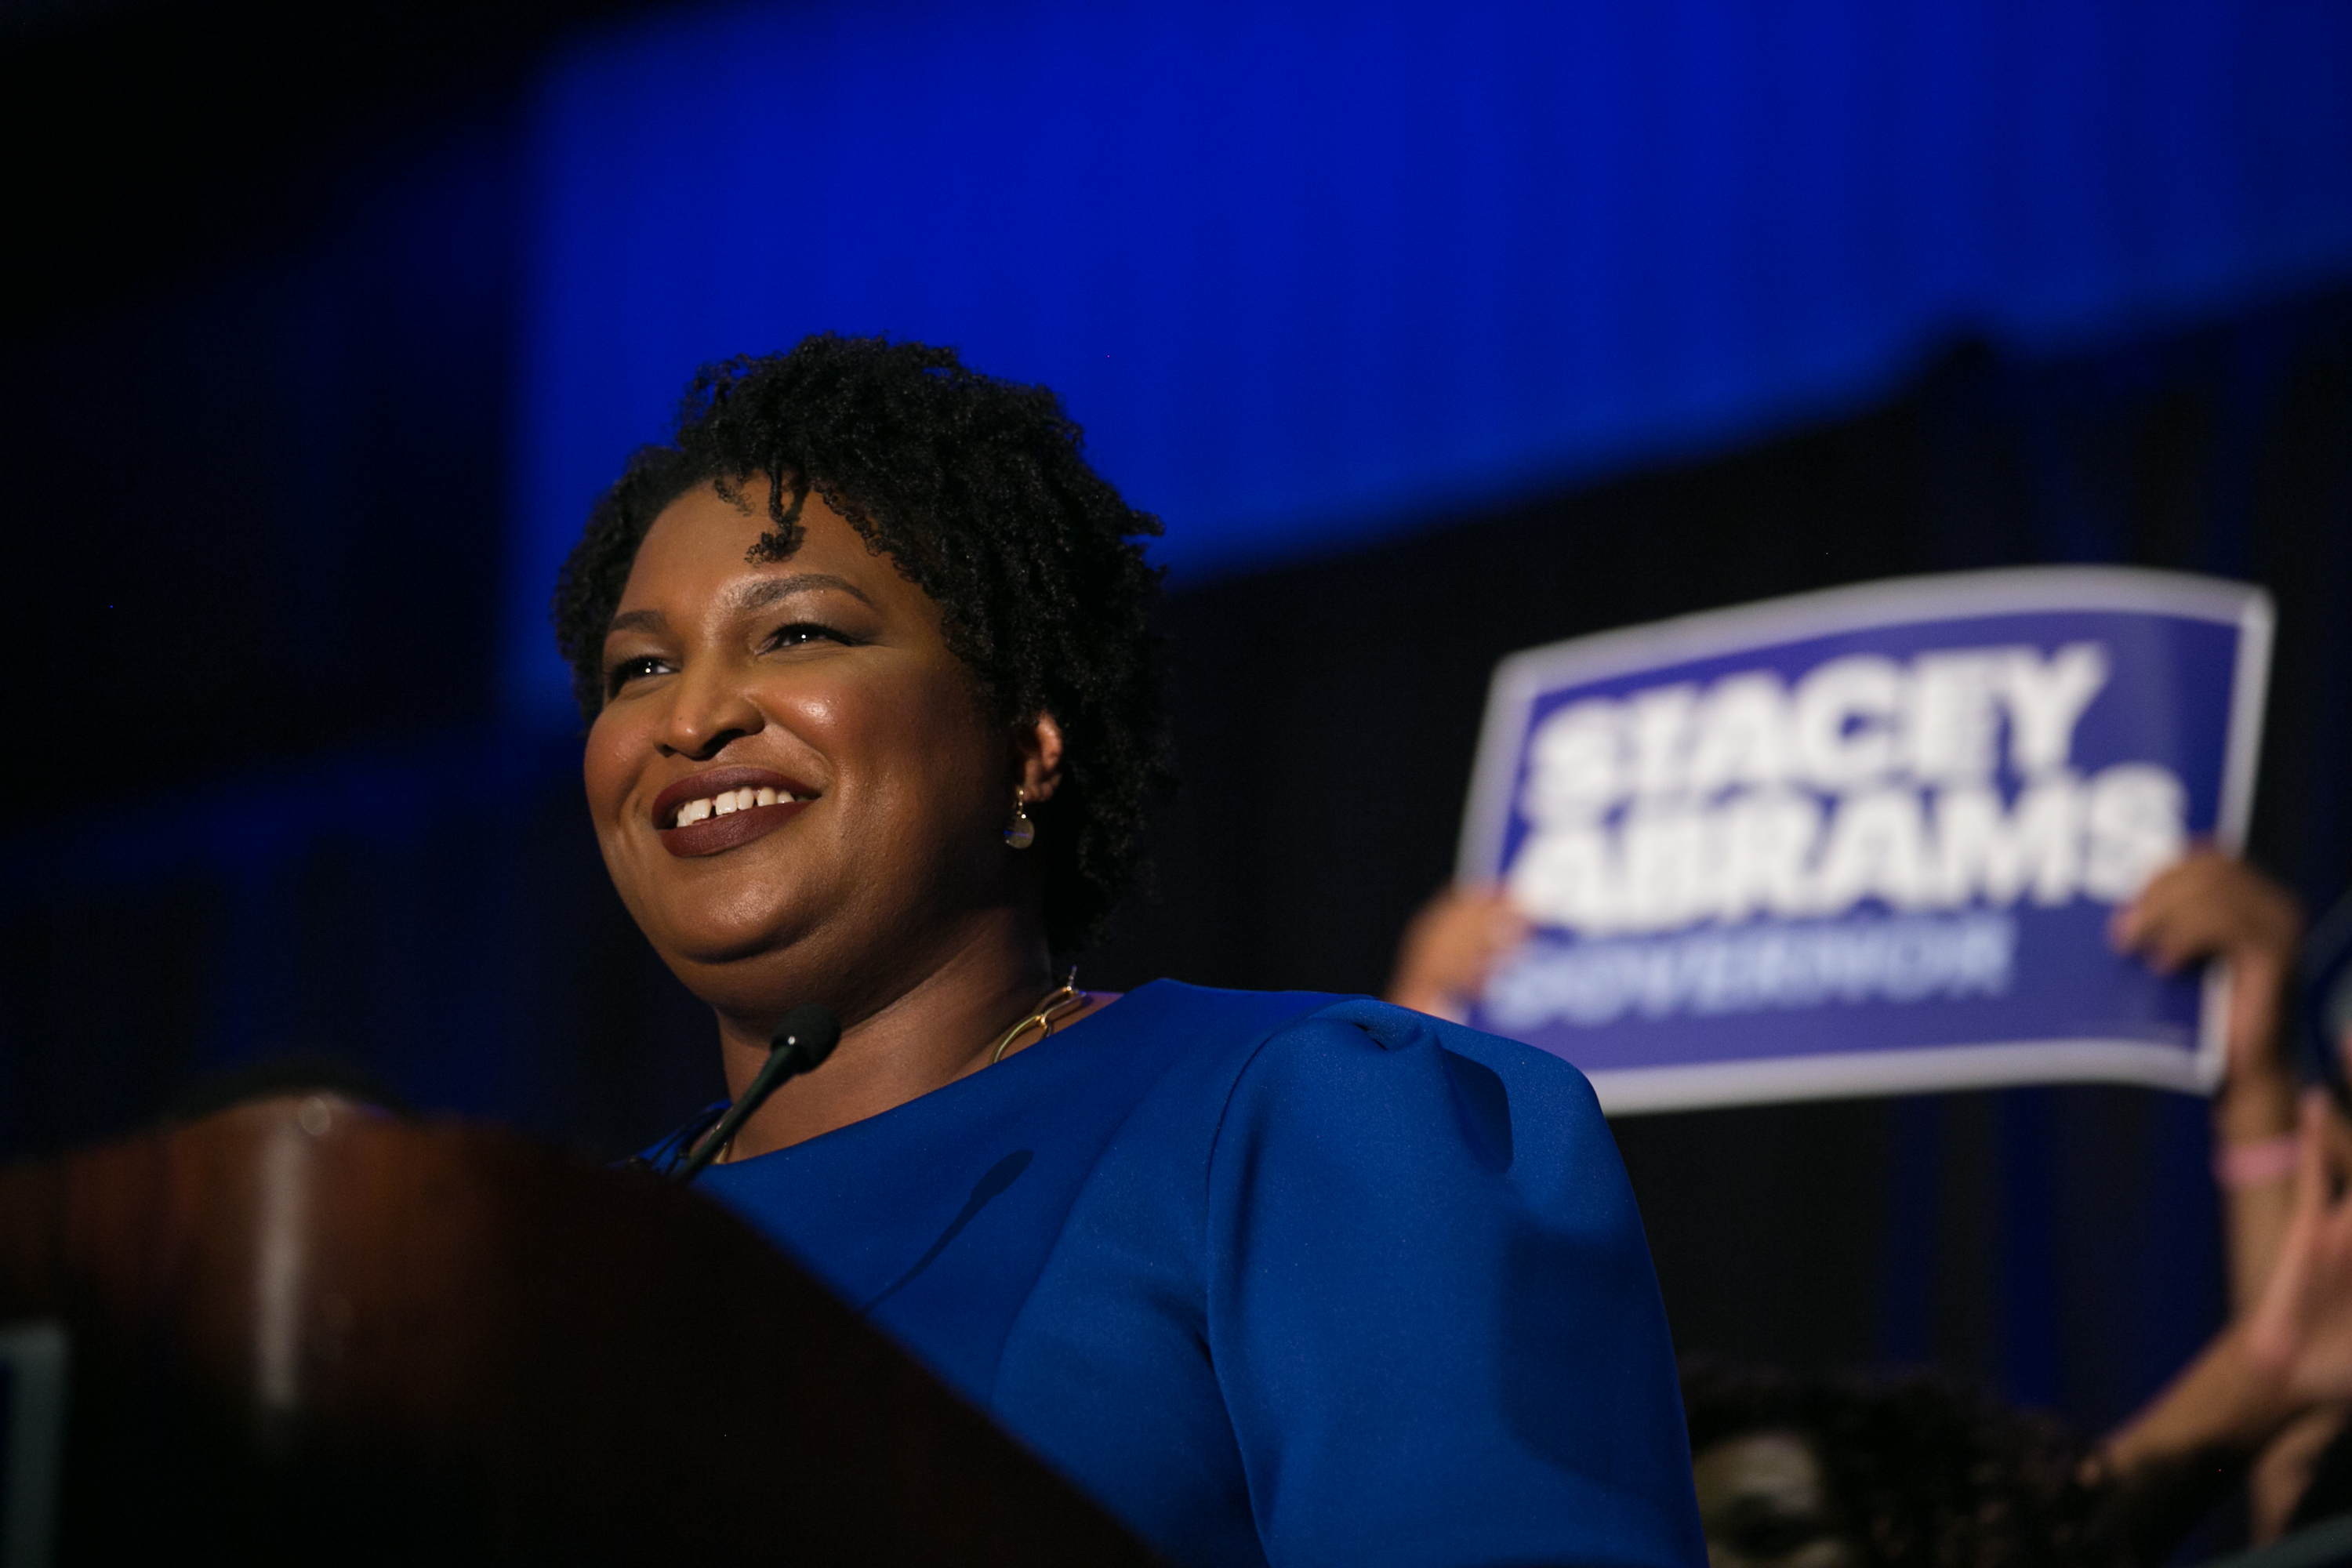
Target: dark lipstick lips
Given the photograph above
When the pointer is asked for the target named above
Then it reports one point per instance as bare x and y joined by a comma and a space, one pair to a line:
715, 833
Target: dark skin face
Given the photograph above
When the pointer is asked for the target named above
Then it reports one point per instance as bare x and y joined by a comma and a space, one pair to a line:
867, 868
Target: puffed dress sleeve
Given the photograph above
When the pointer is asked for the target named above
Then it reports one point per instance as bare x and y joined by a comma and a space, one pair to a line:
1431, 1309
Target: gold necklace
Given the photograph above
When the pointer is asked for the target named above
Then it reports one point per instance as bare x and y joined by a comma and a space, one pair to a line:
1051, 1009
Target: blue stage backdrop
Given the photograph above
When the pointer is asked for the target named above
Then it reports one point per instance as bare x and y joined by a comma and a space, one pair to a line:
1310, 271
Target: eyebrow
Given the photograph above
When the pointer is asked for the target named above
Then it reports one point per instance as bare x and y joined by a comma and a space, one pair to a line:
632, 620
761, 592
756, 594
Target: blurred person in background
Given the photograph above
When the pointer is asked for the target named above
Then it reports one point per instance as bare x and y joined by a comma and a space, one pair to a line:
1827, 1472
2301, 1331
1830, 1472
2212, 908
1820, 1472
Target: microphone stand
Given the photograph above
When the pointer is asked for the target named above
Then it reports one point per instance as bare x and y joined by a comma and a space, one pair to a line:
800, 1045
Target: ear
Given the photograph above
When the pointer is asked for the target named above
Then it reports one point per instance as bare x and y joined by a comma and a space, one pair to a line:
1037, 748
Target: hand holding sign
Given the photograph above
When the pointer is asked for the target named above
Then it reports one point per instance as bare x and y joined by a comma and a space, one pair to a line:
2212, 906
1451, 948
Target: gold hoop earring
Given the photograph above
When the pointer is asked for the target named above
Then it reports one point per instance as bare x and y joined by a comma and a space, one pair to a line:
1020, 832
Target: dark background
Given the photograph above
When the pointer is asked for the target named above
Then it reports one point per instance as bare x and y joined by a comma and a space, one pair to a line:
2060, 1242
258, 402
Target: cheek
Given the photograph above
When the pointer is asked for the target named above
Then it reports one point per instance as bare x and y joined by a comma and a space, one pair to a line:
930, 752
608, 766
961, 751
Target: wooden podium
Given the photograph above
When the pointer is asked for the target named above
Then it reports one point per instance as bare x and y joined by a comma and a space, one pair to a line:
301, 1330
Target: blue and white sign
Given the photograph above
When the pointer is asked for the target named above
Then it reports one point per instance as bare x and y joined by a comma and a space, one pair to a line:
1868, 840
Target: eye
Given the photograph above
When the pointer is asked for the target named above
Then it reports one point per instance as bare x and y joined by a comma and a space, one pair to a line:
800, 633
630, 669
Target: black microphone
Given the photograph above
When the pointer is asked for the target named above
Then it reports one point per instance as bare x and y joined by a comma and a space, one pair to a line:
800, 1045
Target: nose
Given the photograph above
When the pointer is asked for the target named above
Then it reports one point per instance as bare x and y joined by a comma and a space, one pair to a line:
707, 710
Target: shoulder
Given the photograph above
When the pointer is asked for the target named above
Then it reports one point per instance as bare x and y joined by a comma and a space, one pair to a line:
1322, 1056
1376, 1173
1364, 1081
1341, 1056
1314, 1032
1368, 1093
1349, 1034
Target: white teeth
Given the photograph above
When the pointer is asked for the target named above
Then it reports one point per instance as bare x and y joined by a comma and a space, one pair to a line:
728, 802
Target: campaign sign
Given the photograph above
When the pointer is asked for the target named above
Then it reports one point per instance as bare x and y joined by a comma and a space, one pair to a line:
1867, 840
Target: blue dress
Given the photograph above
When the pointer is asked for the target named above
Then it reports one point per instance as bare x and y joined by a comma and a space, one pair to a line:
1280, 1279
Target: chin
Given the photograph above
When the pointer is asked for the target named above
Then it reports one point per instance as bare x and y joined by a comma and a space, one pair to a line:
764, 985
708, 944
718, 920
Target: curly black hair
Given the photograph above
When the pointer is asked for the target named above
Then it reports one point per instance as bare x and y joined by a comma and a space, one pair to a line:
1921, 1471
978, 491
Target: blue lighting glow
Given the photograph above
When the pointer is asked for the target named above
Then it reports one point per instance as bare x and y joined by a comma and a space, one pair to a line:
1312, 272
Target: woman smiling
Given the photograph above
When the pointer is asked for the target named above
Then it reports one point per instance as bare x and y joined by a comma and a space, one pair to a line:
1277, 1278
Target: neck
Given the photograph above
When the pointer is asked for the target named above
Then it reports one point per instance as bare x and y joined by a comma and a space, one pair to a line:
921, 1037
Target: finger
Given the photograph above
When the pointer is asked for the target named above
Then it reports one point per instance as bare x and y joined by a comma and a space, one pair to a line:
2194, 876
2172, 897
2176, 946
2212, 904
2129, 926
2192, 932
